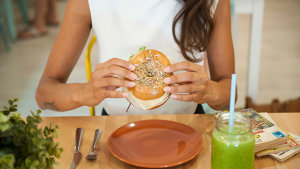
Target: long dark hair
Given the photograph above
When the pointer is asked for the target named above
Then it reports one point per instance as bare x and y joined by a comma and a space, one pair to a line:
196, 27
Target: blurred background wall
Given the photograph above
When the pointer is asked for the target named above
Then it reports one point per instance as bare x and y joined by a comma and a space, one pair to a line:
279, 70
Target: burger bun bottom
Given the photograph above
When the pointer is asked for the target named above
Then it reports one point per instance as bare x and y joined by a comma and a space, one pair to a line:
146, 104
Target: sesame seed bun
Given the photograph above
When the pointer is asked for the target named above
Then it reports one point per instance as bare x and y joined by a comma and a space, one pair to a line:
148, 92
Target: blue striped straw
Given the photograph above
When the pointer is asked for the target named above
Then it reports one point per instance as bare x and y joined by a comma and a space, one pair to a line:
232, 99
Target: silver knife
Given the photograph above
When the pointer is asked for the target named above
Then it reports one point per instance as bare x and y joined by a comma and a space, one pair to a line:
77, 154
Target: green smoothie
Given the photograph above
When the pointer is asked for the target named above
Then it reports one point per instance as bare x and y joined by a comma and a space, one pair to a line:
232, 149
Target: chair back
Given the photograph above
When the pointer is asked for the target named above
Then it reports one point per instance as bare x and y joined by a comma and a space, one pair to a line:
88, 66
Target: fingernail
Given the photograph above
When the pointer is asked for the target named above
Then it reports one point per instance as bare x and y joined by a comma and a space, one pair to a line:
167, 80
125, 94
167, 69
131, 84
133, 76
131, 67
167, 89
173, 96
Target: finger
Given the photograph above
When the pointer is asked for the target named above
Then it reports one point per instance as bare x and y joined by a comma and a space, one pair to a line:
182, 77
184, 97
112, 81
121, 63
183, 83
115, 94
185, 65
114, 70
189, 88
111, 88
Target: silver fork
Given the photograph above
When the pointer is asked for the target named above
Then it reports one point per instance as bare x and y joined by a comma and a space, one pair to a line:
93, 155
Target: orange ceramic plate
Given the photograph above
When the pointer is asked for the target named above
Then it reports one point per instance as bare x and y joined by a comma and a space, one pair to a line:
155, 143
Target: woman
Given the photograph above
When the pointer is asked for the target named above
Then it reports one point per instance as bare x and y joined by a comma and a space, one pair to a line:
182, 30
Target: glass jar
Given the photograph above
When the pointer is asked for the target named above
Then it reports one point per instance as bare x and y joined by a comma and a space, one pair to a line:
232, 147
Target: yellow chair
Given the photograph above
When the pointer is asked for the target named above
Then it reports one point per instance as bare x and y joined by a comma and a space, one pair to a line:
89, 67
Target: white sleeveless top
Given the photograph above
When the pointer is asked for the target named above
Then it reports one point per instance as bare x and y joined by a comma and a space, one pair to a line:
123, 26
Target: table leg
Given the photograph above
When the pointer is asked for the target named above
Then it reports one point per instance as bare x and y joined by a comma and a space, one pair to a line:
10, 19
23, 9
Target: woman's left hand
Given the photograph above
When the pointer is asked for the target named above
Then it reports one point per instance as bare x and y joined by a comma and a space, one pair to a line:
193, 85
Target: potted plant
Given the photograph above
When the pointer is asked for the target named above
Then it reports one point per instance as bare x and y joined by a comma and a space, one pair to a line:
23, 145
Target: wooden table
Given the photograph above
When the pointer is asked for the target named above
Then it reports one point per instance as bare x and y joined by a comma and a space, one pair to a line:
204, 124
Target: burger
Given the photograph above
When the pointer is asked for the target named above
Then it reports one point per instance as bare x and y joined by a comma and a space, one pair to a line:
148, 92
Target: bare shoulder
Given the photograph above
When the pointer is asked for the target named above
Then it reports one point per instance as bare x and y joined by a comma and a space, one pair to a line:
222, 2
222, 13
222, 8
79, 10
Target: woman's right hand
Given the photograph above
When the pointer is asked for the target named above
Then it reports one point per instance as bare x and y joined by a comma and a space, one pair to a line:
104, 81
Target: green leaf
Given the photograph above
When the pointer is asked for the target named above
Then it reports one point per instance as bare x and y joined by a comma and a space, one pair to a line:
3, 118
34, 164
28, 162
131, 55
142, 48
31, 147
4, 127
7, 161
12, 109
